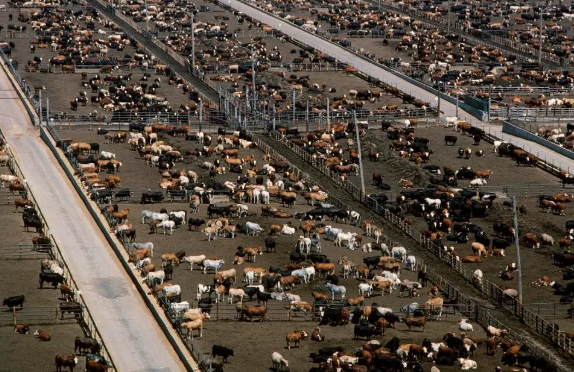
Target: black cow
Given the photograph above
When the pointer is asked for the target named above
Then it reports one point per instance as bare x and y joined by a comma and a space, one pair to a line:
371, 261
195, 223
52, 278
392, 319
450, 139
223, 351
318, 258
500, 243
86, 343
152, 197
366, 330
212, 209
288, 200
263, 297
332, 315
270, 244
14, 301
296, 257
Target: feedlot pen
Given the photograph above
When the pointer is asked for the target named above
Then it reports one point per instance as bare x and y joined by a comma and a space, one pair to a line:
253, 343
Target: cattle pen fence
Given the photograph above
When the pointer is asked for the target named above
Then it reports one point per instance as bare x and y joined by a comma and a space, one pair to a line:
39, 315
77, 307
483, 317
21, 251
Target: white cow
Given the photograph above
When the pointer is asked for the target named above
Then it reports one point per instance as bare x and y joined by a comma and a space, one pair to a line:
212, 264
411, 262
106, 155
365, 288
153, 277
201, 289
478, 182
174, 290
347, 237
193, 259
143, 263
254, 228
332, 232
167, 226
304, 245
301, 273
339, 289
179, 307
287, 230
466, 364
399, 254
435, 202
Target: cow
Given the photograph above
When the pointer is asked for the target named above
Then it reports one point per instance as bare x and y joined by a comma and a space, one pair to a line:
82, 344
278, 361
66, 361
14, 301
52, 278
415, 322
295, 337
254, 311
225, 352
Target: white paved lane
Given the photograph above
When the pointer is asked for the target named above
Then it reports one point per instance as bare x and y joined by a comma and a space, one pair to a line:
133, 337
373, 70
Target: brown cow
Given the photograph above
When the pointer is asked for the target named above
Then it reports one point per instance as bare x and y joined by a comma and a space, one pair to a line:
254, 311
22, 329
295, 337
42, 335
22, 203
324, 268
471, 259
66, 361
415, 322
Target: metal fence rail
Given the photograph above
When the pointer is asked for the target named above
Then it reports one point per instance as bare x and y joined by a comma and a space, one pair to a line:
532, 320
85, 318
24, 251
37, 315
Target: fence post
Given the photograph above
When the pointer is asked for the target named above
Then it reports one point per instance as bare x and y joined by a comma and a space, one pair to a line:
290, 313
217, 311
57, 314
14, 317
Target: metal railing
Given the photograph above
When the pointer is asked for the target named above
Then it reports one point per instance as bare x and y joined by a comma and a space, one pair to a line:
38, 315
25, 251
531, 319
85, 318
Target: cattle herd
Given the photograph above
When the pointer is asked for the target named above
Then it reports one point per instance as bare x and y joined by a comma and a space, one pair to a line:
265, 243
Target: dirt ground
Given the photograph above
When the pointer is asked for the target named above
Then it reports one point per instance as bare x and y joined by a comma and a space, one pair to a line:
256, 351
535, 263
20, 277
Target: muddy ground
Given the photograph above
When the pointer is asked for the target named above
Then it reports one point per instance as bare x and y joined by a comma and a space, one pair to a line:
20, 277
260, 344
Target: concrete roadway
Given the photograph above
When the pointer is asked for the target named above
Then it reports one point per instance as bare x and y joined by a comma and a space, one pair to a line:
133, 337
371, 69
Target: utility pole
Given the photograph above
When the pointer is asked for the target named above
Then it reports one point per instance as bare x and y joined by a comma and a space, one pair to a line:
47, 111
360, 156
192, 43
540, 41
328, 117
146, 18
438, 107
200, 114
293, 104
448, 17
457, 104
253, 80
518, 265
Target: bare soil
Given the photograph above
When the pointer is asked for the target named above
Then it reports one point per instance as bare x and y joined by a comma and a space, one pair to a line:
254, 342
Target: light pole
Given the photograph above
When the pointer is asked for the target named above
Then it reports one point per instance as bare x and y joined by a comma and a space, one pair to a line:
253, 81
192, 43
518, 265
457, 93
438, 105
360, 156
146, 17
540, 41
